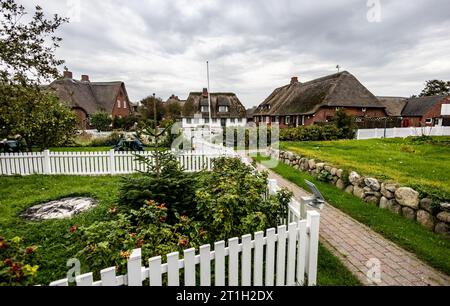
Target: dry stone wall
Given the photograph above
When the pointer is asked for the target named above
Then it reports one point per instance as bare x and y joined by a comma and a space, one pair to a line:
388, 195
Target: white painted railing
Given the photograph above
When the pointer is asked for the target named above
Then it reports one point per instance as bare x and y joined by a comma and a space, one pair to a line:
283, 256
94, 163
403, 132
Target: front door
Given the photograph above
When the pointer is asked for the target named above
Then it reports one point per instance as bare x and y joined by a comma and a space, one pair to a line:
223, 122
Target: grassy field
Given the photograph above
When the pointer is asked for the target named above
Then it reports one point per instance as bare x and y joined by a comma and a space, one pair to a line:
428, 246
19, 193
419, 164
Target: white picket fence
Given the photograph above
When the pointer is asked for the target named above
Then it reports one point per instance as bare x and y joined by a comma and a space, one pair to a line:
285, 256
403, 132
93, 163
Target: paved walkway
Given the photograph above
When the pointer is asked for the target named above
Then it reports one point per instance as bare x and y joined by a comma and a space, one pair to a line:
360, 249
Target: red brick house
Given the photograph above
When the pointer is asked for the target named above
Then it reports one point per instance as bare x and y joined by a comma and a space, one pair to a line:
317, 101
425, 111
86, 97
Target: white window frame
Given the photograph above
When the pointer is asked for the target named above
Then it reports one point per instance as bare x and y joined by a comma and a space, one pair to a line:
125, 104
239, 120
223, 109
429, 121
205, 107
232, 120
286, 120
364, 110
118, 103
188, 120
206, 120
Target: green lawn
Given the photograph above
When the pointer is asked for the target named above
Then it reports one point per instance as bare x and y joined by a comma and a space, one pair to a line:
55, 247
423, 165
428, 246
53, 237
331, 272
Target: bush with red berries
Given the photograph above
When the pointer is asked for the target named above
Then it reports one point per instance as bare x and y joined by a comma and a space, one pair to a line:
14, 262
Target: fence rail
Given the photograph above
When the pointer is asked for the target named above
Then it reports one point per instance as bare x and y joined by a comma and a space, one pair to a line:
283, 256
93, 163
402, 132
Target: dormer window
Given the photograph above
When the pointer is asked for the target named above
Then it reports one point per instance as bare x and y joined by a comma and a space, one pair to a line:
223, 109
205, 109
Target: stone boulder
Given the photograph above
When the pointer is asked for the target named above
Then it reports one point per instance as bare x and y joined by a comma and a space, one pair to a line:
444, 216
394, 207
349, 189
358, 192
340, 184
406, 196
426, 219
409, 213
372, 200
333, 171
354, 178
320, 166
427, 204
312, 164
391, 187
372, 183
443, 229
384, 203
339, 173
327, 168
59, 209
445, 206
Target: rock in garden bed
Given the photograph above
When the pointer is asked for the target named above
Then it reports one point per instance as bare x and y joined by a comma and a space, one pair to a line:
59, 209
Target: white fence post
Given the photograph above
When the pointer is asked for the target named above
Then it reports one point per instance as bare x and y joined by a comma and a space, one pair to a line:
313, 220
46, 160
134, 268
112, 164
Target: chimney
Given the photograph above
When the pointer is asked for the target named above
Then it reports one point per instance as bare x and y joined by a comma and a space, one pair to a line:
84, 78
205, 92
294, 80
68, 74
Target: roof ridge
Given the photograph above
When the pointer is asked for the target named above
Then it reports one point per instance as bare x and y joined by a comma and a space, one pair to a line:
333, 87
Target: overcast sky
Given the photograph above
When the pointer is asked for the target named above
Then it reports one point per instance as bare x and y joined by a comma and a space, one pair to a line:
254, 46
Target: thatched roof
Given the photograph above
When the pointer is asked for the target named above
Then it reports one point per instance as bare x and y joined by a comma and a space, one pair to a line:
418, 107
394, 105
196, 100
174, 99
250, 112
337, 90
90, 96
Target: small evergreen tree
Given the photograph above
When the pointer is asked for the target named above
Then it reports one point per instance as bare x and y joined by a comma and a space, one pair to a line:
345, 124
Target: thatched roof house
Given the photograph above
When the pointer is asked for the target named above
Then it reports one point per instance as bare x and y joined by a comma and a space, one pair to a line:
223, 105
86, 97
393, 105
317, 100
425, 111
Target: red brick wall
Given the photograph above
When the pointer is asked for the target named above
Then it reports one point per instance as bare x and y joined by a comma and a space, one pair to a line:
326, 112
121, 111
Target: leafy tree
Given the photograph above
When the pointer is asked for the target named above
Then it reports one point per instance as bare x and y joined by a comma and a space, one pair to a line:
45, 122
172, 110
346, 124
26, 60
436, 88
146, 108
101, 120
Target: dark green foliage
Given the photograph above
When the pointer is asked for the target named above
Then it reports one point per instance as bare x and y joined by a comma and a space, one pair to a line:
229, 200
311, 133
436, 88
126, 123
345, 124
101, 121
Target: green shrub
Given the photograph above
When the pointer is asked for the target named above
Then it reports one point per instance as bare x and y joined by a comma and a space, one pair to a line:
101, 121
15, 267
310, 133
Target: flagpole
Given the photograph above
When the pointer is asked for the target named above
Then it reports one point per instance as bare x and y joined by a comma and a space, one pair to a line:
209, 103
